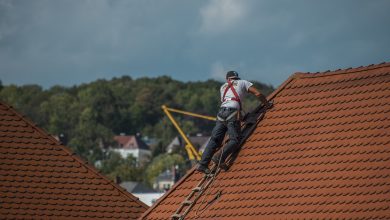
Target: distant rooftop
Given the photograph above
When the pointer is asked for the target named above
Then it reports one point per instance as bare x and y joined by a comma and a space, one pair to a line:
136, 187
130, 142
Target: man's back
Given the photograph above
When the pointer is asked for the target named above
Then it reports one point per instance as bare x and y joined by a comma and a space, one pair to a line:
240, 86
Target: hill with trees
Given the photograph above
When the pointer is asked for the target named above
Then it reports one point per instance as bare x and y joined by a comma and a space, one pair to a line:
89, 115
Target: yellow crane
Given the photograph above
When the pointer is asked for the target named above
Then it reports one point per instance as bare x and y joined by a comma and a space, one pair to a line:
193, 154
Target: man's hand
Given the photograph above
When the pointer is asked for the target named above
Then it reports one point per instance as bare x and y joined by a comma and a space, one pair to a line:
269, 104
260, 96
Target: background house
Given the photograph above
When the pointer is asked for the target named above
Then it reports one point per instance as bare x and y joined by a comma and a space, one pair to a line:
146, 194
166, 180
132, 145
199, 141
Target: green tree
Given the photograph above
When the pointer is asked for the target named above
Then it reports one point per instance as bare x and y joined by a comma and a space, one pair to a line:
112, 161
162, 163
91, 114
26, 99
126, 168
61, 111
92, 137
99, 98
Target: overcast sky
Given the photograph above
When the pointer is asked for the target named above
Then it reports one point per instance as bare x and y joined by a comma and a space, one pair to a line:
69, 42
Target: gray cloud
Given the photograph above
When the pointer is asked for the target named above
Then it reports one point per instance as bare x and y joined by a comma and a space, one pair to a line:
69, 42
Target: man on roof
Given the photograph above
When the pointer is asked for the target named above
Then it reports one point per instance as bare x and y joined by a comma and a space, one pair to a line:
228, 120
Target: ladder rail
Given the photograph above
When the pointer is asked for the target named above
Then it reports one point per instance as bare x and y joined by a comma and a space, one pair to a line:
201, 193
251, 120
191, 194
204, 180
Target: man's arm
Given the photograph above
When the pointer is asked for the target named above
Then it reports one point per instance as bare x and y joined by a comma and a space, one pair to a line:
260, 96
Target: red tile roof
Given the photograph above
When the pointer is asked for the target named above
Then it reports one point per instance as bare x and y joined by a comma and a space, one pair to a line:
39, 178
130, 142
323, 151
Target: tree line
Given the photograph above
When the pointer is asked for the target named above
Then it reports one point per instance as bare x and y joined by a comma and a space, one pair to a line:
90, 114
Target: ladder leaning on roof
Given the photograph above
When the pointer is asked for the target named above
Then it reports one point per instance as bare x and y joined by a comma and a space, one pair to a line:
250, 122
195, 194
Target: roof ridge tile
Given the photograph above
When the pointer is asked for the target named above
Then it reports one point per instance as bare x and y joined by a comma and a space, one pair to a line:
327, 118
322, 125
342, 86
335, 102
342, 71
362, 106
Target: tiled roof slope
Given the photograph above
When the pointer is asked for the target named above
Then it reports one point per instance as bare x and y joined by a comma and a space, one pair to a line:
322, 152
40, 178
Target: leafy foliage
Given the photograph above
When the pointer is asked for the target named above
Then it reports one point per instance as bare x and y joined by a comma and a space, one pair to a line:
161, 163
89, 115
126, 168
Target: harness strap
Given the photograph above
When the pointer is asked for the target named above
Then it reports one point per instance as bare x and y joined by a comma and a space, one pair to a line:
227, 118
236, 97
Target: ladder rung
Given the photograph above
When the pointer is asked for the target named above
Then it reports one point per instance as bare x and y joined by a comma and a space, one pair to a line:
199, 190
210, 175
187, 202
196, 189
176, 216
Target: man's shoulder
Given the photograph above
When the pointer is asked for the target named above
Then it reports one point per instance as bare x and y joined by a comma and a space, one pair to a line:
244, 82
223, 86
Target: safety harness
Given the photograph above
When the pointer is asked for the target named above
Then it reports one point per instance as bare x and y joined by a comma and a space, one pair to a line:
235, 98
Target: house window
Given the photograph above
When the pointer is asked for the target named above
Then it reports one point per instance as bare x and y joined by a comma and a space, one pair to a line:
166, 186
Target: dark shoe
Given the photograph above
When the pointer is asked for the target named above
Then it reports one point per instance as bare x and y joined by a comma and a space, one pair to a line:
203, 169
216, 158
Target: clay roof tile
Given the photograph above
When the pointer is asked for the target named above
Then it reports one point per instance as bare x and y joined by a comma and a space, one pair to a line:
40, 178
321, 152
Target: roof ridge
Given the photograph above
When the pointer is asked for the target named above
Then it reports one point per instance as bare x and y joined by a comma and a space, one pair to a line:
341, 71
282, 86
73, 155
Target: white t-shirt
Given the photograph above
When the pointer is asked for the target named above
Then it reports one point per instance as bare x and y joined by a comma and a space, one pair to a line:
241, 87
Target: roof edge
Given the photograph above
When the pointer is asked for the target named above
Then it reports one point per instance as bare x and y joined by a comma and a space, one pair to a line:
341, 71
74, 156
283, 85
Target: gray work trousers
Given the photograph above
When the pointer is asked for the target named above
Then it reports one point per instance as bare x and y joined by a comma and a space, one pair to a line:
232, 126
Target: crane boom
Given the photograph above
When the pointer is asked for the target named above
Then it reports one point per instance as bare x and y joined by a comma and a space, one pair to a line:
193, 154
